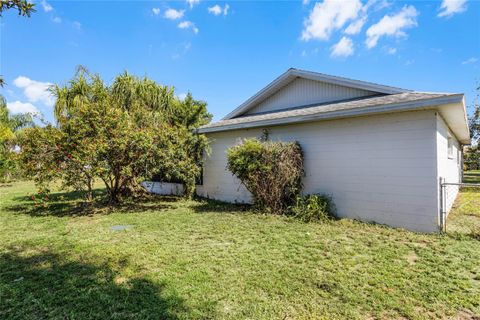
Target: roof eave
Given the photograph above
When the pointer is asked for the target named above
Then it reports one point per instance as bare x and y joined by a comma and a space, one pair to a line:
455, 115
397, 107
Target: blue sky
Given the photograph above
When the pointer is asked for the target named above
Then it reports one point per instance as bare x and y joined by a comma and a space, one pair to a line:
224, 52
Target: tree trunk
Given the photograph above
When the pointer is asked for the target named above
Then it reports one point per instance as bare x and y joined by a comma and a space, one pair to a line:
89, 194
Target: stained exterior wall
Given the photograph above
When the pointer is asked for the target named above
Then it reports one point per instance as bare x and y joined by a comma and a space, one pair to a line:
379, 168
301, 92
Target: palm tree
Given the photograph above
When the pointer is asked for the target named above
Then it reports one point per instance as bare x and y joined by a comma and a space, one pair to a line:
127, 92
10, 126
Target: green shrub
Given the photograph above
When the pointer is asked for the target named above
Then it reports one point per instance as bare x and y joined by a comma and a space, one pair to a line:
313, 207
271, 171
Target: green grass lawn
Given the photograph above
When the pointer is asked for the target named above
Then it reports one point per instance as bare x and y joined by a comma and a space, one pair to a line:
204, 260
465, 216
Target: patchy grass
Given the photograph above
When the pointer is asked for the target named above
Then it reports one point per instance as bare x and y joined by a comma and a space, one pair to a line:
465, 215
181, 259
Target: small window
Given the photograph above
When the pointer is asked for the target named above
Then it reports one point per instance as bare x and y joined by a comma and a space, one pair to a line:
450, 147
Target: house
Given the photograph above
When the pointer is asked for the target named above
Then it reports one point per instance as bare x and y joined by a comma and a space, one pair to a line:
379, 151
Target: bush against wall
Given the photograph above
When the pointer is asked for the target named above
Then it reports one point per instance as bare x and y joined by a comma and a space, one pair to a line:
271, 171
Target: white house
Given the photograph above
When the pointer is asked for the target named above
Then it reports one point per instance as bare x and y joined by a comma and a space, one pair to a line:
379, 151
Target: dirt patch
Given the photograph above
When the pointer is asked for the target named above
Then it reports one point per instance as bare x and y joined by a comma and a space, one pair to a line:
465, 315
412, 258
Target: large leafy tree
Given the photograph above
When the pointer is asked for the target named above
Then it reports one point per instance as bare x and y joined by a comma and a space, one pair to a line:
474, 119
10, 128
121, 133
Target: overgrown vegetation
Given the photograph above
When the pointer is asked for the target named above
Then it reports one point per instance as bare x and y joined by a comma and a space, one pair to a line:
120, 133
271, 171
312, 207
184, 259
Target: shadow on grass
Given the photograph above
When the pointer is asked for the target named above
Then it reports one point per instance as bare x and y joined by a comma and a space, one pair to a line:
46, 286
63, 204
471, 177
204, 205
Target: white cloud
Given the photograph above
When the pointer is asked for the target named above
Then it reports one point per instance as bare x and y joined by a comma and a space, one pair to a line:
22, 107
57, 20
77, 25
217, 10
356, 26
391, 51
392, 25
305, 2
156, 11
342, 48
191, 3
46, 6
451, 7
35, 91
185, 24
188, 25
329, 16
470, 60
173, 14
382, 4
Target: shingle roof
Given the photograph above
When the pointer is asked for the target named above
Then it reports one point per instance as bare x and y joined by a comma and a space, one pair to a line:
421, 99
292, 74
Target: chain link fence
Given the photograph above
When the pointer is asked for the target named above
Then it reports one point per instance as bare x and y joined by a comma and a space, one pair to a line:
463, 198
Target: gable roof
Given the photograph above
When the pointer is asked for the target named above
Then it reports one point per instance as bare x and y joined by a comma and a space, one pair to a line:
450, 105
292, 74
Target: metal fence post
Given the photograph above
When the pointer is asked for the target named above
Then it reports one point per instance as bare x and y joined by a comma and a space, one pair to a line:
442, 203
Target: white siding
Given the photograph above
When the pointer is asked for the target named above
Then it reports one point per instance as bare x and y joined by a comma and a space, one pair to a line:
379, 168
449, 165
302, 92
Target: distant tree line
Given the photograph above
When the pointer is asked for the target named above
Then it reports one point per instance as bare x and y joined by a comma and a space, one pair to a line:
472, 153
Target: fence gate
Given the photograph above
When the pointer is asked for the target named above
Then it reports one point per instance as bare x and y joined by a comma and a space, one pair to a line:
448, 193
